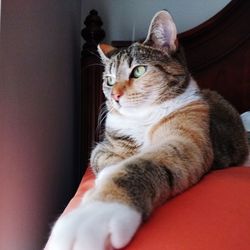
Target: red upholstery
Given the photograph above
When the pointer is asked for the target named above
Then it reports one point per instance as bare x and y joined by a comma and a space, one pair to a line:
214, 214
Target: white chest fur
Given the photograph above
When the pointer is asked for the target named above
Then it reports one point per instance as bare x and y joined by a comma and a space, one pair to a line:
129, 126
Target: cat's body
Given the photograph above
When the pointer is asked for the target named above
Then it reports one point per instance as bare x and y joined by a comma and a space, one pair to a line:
128, 135
162, 134
227, 133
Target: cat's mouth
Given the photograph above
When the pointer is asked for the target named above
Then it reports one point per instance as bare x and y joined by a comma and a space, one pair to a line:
123, 105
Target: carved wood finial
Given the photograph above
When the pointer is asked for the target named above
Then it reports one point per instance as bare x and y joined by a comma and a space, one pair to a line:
92, 33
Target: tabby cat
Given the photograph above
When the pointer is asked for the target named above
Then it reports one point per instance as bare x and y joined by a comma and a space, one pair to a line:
162, 134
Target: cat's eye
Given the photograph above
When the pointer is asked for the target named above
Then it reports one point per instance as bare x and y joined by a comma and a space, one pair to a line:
138, 71
110, 81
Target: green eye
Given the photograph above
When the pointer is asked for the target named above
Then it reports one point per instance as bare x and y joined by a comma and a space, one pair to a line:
138, 71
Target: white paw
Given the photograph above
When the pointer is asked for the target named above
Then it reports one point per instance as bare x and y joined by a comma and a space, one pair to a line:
95, 226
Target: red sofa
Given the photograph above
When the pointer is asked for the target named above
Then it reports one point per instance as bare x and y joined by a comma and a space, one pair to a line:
212, 215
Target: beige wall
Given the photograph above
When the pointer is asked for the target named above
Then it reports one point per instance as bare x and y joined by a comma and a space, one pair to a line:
39, 78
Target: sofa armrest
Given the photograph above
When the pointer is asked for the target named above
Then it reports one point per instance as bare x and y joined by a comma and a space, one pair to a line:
214, 214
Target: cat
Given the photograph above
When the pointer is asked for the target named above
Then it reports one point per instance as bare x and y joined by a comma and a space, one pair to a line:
162, 135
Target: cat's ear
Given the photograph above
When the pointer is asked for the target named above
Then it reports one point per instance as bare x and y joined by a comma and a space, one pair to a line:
162, 33
105, 50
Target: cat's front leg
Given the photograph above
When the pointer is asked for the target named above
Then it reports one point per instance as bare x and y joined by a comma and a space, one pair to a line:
103, 156
99, 223
110, 214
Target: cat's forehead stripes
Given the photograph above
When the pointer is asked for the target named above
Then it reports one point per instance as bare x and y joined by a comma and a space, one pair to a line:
123, 57
136, 54
120, 64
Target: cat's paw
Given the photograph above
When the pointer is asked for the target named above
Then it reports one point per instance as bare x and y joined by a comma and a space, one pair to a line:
95, 226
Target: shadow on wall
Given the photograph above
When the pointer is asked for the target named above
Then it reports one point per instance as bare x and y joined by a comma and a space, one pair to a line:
39, 64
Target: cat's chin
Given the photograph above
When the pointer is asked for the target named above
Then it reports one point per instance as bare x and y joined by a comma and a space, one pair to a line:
134, 111
131, 110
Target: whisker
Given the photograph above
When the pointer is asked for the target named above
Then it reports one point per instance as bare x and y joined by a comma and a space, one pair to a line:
101, 117
94, 54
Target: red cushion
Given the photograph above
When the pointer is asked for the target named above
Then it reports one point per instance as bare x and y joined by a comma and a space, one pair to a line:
214, 214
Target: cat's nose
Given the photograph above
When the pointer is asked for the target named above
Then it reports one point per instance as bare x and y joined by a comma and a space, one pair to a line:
116, 96
117, 93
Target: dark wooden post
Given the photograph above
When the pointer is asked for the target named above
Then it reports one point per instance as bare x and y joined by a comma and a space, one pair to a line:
91, 85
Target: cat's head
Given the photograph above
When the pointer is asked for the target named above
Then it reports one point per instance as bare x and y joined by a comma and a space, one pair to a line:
144, 74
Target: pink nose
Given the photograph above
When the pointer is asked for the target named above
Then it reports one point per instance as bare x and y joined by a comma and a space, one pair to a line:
118, 91
116, 96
